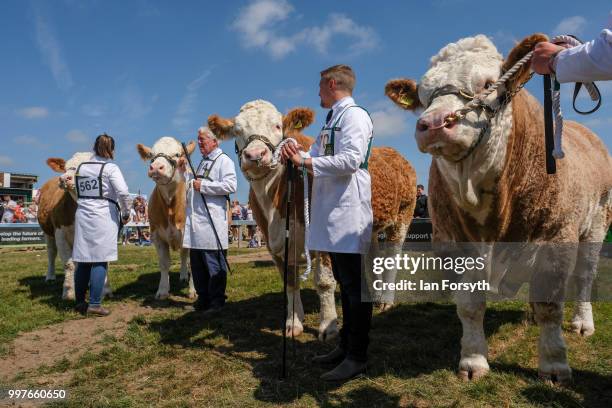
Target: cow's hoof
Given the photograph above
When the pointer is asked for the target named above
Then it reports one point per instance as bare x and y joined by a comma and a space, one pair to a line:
68, 294
161, 296
108, 294
472, 368
582, 327
50, 279
328, 330
184, 278
383, 307
294, 330
558, 373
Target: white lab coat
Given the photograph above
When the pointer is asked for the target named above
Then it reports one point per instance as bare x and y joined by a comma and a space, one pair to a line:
222, 182
97, 221
341, 214
591, 61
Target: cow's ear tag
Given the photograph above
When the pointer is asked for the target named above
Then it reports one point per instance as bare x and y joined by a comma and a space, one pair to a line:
298, 125
406, 100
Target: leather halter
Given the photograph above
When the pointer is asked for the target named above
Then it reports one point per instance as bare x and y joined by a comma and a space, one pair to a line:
170, 160
249, 140
489, 111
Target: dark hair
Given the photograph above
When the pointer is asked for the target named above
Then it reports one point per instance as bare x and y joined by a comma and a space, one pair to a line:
420, 186
105, 146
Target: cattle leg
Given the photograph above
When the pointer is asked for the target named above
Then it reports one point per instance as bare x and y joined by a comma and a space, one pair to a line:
552, 354
582, 279
474, 349
295, 310
396, 235
65, 250
108, 291
51, 254
185, 274
163, 253
326, 286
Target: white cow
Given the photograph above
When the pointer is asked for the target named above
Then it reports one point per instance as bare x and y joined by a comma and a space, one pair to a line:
488, 183
167, 207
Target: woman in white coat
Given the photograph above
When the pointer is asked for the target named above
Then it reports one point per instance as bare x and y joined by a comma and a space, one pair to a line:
103, 204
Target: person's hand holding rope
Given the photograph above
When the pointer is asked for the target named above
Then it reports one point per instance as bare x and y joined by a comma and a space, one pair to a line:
291, 151
544, 57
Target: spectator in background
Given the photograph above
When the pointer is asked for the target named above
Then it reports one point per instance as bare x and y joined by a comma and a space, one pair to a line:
9, 209
236, 214
249, 217
19, 216
32, 214
140, 217
420, 210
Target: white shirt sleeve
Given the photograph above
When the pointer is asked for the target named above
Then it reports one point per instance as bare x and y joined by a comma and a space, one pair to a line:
227, 182
591, 61
115, 177
350, 149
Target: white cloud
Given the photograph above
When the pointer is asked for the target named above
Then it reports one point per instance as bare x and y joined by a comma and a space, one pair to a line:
571, 25
258, 23
184, 113
33, 112
27, 140
389, 121
133, 104
51, 51
290, 93
6, 161
93, 110
77, 136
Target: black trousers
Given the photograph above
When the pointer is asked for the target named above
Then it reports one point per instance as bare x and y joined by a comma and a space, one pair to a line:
209, 273
357, 315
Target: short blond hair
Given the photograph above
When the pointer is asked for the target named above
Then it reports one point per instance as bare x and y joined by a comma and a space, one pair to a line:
342, 74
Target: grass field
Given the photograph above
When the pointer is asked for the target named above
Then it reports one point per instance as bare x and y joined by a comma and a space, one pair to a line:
151, 353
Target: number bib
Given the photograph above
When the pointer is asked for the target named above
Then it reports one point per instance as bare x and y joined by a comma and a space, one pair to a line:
89, 186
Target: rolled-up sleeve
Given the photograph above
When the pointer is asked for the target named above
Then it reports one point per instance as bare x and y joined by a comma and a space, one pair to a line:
350, 146
591, 61
227, 182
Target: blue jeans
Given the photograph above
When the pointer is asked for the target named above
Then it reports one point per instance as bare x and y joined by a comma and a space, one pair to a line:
92, 274
209, 276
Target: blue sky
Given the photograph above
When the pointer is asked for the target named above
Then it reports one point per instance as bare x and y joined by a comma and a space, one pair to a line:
143, 69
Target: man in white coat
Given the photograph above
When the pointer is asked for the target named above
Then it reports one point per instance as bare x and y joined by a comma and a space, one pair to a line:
341, 215
215, 179
591, 61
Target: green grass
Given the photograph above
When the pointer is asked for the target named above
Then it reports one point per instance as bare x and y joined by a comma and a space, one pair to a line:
175, 359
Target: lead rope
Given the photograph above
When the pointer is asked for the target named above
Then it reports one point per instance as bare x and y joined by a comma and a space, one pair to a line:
556, 97
275, 159
478, 100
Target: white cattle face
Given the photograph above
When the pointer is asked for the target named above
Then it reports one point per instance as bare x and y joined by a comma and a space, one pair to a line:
68, 170
256, 119
166, 159
469, 65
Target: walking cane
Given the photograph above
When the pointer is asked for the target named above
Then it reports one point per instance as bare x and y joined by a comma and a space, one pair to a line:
212, 223
286, 266
551, 165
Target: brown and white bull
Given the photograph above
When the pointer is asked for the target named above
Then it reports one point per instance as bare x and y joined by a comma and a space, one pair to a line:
393, 198
167, 207
491, 186
56, 211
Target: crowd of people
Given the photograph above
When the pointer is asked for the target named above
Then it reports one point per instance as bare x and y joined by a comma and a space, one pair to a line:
138, 233
12, 211
251, 233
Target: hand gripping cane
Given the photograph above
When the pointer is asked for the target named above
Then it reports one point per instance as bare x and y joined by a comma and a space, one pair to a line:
212, 223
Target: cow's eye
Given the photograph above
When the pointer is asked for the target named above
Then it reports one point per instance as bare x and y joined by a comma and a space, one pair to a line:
278, 127
488, 84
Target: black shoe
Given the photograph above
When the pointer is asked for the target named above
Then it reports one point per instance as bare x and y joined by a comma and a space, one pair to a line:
346, 370
197, 306
212, 311
333, 357
81, 308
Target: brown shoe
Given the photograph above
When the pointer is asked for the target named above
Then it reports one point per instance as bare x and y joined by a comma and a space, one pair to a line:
97, 311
